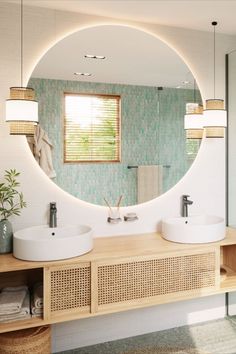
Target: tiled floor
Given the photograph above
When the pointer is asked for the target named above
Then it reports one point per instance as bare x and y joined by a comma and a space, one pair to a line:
214, 337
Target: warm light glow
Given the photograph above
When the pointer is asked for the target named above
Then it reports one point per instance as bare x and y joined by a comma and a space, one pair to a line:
193, 121
214, 118
21, 110
83, 110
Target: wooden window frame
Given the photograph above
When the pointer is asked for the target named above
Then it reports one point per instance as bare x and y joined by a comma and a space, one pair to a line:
118, 123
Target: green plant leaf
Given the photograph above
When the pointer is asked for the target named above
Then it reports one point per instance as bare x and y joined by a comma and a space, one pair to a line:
11, 200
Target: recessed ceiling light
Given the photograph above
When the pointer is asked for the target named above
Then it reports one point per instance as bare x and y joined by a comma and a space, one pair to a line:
83, 74
92, 56
178, 86
185, 82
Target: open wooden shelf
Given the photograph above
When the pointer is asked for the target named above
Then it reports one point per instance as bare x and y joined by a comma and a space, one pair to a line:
228, 262
27, 277
21, 324
229, 282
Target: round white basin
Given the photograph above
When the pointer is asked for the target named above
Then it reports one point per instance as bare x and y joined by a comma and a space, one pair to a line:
194, 229
41, 243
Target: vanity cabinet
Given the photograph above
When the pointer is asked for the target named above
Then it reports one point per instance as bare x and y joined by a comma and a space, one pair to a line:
123, 273
67, 290
127, 283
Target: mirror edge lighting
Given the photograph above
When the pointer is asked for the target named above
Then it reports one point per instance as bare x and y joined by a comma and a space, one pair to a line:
185, 64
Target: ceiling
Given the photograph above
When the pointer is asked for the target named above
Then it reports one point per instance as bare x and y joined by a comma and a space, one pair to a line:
191, 14
132, 57
139, 59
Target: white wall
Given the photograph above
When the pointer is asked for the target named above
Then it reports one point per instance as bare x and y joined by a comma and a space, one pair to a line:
231, 139
205, 181
232, 158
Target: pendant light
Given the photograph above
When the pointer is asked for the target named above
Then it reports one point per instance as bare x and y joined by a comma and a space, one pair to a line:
214, 115
21, 108
193, 123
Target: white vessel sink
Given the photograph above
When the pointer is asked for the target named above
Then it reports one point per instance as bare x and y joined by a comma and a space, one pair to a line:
41, 243
194, 229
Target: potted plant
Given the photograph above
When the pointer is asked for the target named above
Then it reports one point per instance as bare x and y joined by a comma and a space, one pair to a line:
11, 203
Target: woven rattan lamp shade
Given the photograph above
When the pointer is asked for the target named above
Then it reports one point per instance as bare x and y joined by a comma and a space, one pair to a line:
22, 111
193, 123
21, 108
215, 119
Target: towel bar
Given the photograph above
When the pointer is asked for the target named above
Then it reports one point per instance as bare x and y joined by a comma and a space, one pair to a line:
129, 167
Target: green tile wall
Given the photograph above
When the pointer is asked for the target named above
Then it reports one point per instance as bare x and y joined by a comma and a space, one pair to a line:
152, 128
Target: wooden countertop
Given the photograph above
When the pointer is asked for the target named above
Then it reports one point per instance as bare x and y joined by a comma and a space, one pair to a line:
119, 246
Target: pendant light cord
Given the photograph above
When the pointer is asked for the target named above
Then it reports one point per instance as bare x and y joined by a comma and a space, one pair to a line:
21, 43
214, 62
214, 23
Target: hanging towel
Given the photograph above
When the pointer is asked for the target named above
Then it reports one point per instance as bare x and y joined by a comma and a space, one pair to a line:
23, 314
11, 299
149, 182
43, 151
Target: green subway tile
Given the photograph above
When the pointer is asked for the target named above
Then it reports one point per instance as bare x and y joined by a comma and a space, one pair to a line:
152, 128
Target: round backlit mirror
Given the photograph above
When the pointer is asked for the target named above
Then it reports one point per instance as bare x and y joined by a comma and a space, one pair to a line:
112, 101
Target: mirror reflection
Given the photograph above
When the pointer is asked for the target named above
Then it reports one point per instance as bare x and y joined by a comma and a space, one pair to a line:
111, 115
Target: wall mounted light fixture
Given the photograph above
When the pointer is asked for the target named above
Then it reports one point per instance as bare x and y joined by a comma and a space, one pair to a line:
21, 108
214, 115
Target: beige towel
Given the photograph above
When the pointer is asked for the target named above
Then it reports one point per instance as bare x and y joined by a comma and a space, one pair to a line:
149, 182
37, 296
42, 150
36, 311
11, 299
23, 314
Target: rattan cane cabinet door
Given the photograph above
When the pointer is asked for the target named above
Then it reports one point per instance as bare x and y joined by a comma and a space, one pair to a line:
69, 289
137, 281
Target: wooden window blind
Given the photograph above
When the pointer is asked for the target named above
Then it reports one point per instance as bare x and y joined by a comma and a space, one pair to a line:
91, 128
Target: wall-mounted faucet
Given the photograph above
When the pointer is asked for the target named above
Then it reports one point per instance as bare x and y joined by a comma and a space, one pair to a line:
185, 203
53, 215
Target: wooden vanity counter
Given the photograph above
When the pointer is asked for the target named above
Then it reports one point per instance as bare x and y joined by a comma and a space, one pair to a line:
118, 246
123, 273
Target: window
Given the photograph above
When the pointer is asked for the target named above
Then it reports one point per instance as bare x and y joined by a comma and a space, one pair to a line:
91, 128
